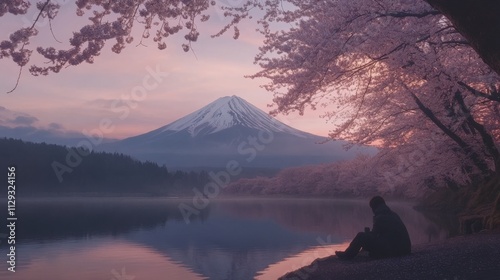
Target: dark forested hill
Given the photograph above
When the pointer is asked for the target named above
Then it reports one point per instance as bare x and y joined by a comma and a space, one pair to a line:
53, 169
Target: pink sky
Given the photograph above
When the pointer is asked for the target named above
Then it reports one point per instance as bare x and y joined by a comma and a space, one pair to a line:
78, 98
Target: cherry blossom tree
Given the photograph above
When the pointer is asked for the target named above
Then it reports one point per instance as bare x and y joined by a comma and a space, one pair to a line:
109, 21
389, 71
406, 171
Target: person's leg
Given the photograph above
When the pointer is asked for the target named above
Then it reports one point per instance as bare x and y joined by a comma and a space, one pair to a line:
362, 240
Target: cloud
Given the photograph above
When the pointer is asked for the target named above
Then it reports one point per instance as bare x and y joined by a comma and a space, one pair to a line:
56, 126
19, 125
24, 120
13, 118
34, 134
52, 135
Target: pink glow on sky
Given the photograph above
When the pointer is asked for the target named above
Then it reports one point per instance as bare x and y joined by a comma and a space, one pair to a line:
78, 98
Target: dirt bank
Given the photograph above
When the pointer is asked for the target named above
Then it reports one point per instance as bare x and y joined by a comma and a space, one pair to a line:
460, 258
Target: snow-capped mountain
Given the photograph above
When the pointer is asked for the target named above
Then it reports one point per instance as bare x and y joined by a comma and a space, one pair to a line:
225, 113
227, 129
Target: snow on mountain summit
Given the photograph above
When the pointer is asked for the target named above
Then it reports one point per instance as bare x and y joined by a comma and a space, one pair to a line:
227, 112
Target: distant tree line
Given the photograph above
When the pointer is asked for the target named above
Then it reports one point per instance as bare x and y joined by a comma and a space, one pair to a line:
386, 173
98, 172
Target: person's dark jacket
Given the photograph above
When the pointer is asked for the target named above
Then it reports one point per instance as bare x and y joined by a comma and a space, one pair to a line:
390, 233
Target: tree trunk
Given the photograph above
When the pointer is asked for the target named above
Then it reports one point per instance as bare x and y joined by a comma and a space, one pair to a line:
479, 22
488, 141
468, 150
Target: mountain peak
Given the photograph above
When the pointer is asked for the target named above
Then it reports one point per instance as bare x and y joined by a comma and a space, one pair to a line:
225, 130
226, 112
229, 97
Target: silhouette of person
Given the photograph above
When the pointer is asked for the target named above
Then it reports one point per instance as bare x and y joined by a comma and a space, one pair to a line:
388, 238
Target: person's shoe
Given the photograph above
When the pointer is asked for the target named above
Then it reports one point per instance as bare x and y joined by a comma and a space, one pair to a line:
344, 255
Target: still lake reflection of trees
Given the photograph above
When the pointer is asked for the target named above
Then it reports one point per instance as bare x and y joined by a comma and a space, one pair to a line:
339, 217
230, 239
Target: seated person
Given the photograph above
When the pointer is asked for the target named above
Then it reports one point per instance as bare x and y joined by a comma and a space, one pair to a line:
388, 238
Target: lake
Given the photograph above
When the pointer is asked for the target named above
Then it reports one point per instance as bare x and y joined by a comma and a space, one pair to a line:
147, 238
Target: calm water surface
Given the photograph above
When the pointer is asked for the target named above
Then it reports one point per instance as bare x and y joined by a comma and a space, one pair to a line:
143, 239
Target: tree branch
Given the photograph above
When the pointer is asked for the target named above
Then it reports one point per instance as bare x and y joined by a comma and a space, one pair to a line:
493, 97
24, 44
480, 163
406, 14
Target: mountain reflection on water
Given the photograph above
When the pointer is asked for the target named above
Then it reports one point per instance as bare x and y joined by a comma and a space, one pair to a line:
147, 238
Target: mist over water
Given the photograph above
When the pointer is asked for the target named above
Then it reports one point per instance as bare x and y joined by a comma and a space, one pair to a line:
147, 238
